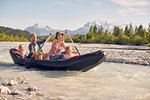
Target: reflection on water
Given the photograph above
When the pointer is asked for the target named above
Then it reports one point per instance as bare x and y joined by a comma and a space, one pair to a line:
107, 81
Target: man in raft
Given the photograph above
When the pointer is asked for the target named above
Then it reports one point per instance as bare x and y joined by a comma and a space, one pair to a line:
34, 46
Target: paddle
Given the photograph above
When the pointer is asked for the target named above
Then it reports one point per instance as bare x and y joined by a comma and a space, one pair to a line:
73, 43
30, 61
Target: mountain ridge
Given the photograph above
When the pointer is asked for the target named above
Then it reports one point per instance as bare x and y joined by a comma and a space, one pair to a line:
45, 30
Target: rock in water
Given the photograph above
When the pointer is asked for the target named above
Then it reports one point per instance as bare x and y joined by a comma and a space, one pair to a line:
32, 88
24, 82
16, 93
12, 83
4, 90
21, 77
3, 98
5, 82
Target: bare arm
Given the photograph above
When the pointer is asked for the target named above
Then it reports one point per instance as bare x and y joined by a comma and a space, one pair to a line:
51, 35
76, 52
64, 46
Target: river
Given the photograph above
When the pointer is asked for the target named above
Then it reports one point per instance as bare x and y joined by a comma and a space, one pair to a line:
107, 81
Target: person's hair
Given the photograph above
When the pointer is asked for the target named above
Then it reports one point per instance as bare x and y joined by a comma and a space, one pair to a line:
57, 33
68, 47
21, 45
33, 34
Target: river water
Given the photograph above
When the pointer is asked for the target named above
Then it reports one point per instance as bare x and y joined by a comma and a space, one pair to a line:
107, 81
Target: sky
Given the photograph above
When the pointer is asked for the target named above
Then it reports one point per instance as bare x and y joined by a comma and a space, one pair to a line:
72, 14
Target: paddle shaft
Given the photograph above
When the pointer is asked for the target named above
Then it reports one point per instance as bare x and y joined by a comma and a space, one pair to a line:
73, 43
44, 43
32, 58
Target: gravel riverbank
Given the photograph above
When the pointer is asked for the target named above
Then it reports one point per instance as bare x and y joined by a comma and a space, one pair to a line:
122, 53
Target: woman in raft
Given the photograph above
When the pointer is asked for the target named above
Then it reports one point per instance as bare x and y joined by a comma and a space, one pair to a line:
34, 46
57, 45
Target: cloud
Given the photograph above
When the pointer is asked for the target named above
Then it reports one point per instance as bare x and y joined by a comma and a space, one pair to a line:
131, 11
130, 3
97, 3
132, 7
59, 2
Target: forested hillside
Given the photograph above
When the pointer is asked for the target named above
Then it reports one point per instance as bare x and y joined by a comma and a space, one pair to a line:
9, 34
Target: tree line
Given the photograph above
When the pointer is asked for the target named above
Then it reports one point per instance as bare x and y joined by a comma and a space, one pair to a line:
129, 35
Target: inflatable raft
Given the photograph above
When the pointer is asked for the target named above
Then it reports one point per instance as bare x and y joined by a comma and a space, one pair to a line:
77, 63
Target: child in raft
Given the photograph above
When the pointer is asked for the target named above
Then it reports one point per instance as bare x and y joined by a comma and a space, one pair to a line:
22, 51
68, 54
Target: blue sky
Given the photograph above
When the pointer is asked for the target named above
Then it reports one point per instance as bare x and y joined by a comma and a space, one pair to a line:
72, 14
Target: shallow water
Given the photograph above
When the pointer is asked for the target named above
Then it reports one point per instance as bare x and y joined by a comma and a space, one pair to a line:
107, 81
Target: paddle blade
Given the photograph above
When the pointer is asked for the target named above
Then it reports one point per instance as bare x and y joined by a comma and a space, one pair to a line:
29, 63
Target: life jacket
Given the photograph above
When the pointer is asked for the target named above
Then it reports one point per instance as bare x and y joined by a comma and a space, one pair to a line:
17, 53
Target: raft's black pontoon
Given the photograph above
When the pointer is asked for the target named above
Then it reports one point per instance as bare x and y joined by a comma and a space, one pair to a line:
77, 63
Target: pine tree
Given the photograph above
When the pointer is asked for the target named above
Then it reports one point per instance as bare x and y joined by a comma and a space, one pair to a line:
149, 28
148, 37
95, 30
90, 34
131, 31
117, 31
136, 30
126, 31
140, 31
144, 34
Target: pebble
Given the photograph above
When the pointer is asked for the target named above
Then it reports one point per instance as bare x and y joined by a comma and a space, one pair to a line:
3, 98
4, 90
13, 83
21, 77
16, 92
32, 88
24, 82
5, 82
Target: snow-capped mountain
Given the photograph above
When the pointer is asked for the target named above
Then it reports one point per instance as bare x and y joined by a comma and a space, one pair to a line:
41, 30
109, 25
45, 30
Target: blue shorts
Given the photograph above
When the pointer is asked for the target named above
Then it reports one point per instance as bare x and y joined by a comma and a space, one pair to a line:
56, 57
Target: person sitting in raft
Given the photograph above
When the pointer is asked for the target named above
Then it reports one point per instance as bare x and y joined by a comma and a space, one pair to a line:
34, 46
22, 51
68, 54
57, 44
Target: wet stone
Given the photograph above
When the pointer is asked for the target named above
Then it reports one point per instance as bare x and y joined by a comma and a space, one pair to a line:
5, 82
32, 88
4, 90
16, 92
24, 82
12, 83
3, 98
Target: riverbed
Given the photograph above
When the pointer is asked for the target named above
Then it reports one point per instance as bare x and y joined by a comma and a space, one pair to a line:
107, 81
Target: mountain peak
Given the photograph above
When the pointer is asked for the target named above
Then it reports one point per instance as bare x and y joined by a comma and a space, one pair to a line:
36, 24
47, 27
98, 22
